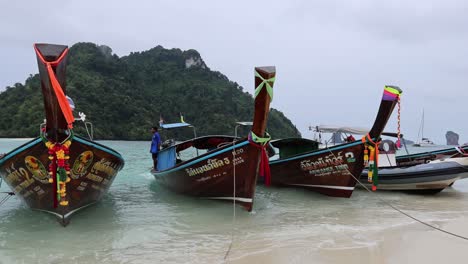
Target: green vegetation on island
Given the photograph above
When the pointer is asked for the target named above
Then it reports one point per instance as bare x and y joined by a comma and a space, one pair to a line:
124, 96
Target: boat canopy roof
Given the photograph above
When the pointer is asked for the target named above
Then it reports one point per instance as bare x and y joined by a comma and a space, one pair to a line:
205, 142
343, 129
350, 130
247, 123
175, 125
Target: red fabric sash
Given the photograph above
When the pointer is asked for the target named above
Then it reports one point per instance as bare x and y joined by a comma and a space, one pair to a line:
62, 100
264, 170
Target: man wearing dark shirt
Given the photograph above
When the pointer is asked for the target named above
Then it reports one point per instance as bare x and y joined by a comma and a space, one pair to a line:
155, 146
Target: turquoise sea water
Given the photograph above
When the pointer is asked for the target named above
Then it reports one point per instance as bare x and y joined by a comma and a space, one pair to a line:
141, 222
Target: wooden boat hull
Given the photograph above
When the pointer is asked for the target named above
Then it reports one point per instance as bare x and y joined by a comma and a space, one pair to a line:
334, 170
212, 174
328, 171
435, 175
93, 169
228, 171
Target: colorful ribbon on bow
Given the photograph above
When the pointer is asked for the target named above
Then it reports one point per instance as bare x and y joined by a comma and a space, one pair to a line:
371, 159
266, 83
59, 169
261, 143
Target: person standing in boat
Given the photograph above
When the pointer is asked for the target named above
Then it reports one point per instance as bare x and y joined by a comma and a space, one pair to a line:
350, 138
71, 103
155, 146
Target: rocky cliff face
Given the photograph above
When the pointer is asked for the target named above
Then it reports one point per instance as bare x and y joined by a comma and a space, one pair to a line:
193, 59
452, 138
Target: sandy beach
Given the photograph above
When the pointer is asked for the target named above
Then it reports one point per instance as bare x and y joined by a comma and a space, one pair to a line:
411, 243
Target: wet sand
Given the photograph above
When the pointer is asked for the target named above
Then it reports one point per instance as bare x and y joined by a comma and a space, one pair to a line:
412, 243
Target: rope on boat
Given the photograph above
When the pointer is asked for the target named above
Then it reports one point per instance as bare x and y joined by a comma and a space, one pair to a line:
6, 197
398, 142
233, 200
406, 148
388, 159
264, 170
399, 210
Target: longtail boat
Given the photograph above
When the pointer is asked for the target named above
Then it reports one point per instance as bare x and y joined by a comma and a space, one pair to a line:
59, 172
333, 170
228, 168
427, 173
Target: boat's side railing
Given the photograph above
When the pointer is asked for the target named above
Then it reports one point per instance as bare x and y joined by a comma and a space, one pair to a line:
88, 126
90, 130
90, 135
42, 128
239, 124
220, 145
42, 133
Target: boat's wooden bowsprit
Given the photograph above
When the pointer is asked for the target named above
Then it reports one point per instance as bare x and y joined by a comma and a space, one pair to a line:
58, 172
330, 171
227, 160
52, 61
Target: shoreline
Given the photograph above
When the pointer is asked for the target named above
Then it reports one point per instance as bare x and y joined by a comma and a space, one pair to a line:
407, 243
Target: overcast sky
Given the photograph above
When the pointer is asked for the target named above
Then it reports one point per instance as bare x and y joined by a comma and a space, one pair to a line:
333, 57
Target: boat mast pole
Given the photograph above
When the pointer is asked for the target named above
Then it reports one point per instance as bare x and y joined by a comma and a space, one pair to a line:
422, 126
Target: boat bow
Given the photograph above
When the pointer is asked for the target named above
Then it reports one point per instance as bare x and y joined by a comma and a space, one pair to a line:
334, 170
58, 172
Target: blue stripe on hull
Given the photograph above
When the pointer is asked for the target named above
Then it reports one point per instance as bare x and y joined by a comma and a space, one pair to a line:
39, 140
20, 149
95, 145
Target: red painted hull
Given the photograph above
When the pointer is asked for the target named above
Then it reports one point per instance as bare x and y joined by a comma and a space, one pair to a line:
330, 171
226, 171
212, 174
